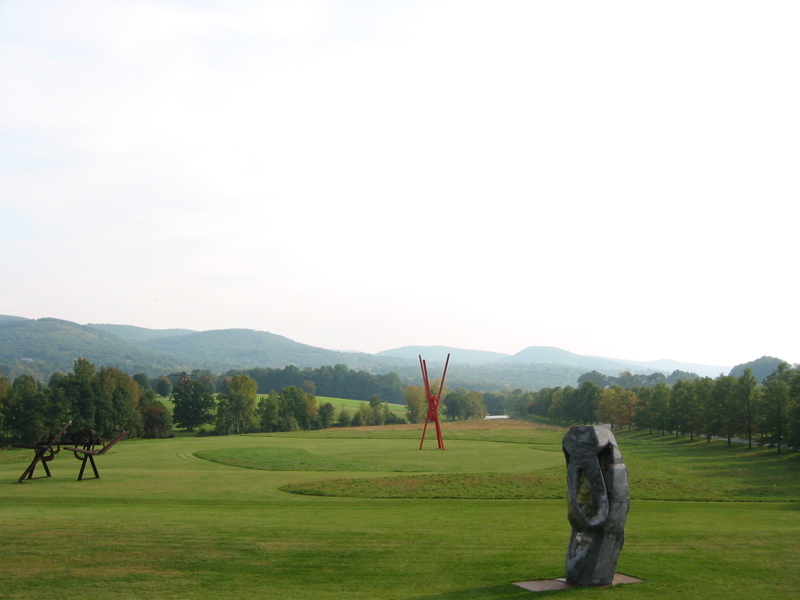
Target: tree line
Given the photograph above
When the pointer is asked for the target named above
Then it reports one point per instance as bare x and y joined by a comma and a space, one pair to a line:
335, 381
107, 401
743, 408
456, 405
240, 409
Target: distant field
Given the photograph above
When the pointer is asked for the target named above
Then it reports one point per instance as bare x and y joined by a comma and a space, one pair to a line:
372, 516
338, 404
353, 405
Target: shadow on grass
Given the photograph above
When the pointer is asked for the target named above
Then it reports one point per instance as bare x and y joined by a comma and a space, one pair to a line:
490, 593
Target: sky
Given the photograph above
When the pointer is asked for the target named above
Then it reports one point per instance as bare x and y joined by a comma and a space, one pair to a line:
616, 179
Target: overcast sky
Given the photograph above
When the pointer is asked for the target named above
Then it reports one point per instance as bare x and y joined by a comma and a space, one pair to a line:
611, 178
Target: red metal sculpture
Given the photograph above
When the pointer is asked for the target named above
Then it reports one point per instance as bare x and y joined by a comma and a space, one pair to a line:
433, 402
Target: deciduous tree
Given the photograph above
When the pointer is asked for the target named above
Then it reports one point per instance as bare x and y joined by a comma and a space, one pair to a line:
163, 386
416, 403
455, 405
269, 412
116, 402
193, 404
142, 380
299, 406
617, 405
706, 417
237, 408
344, 419
777, 405
683, 408
724, 405
747, 394
156, 420
326, 412
5, 386
25, 411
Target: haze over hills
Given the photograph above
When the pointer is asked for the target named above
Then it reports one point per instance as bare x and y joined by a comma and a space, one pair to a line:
42, 346
136, 334
552, 356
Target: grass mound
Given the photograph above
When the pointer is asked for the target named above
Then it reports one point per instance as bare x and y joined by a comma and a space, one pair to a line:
165, 524
478, 486
291, 459
660, 468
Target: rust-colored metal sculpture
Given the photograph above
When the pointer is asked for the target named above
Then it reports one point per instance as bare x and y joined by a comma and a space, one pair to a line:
85, 441
181, 379
44, 451
433, 402
83, 446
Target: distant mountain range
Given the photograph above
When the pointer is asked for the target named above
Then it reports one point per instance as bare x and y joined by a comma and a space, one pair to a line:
42, 346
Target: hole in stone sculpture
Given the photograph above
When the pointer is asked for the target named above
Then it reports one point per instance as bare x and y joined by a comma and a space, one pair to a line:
585, 497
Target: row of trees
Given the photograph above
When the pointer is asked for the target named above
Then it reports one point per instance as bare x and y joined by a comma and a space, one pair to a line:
728, 407
337, 381
107, 401
239, 409
460, 404
627, 379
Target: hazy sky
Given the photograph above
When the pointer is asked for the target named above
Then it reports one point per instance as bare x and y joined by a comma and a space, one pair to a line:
612, 178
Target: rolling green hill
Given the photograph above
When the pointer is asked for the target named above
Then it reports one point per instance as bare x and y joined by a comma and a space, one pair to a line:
137, 335
42, 346
436, 355
223, 349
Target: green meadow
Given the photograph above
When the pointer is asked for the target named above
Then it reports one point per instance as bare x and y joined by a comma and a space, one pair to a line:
354, 405
362, 513
338, 403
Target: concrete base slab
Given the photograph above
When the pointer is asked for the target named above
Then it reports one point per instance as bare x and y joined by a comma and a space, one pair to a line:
551, 585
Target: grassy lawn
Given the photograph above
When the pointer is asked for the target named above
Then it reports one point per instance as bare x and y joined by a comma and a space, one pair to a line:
706, 521
353, 405
338, 403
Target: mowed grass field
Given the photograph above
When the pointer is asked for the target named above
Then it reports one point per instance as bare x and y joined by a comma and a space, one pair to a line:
362, 513
338, 403
353, 405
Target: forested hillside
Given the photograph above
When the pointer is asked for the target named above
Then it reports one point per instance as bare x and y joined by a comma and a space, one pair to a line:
43, 346
548, 361
225, 349
761, 368
39, 347
137, 335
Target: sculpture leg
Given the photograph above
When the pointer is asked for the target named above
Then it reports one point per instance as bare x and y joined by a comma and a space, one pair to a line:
439, 434
424, 429
83, 466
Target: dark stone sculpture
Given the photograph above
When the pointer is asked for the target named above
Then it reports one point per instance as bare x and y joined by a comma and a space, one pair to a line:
597, 488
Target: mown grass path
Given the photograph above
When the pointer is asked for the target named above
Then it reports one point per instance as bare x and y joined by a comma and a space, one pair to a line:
163, 523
